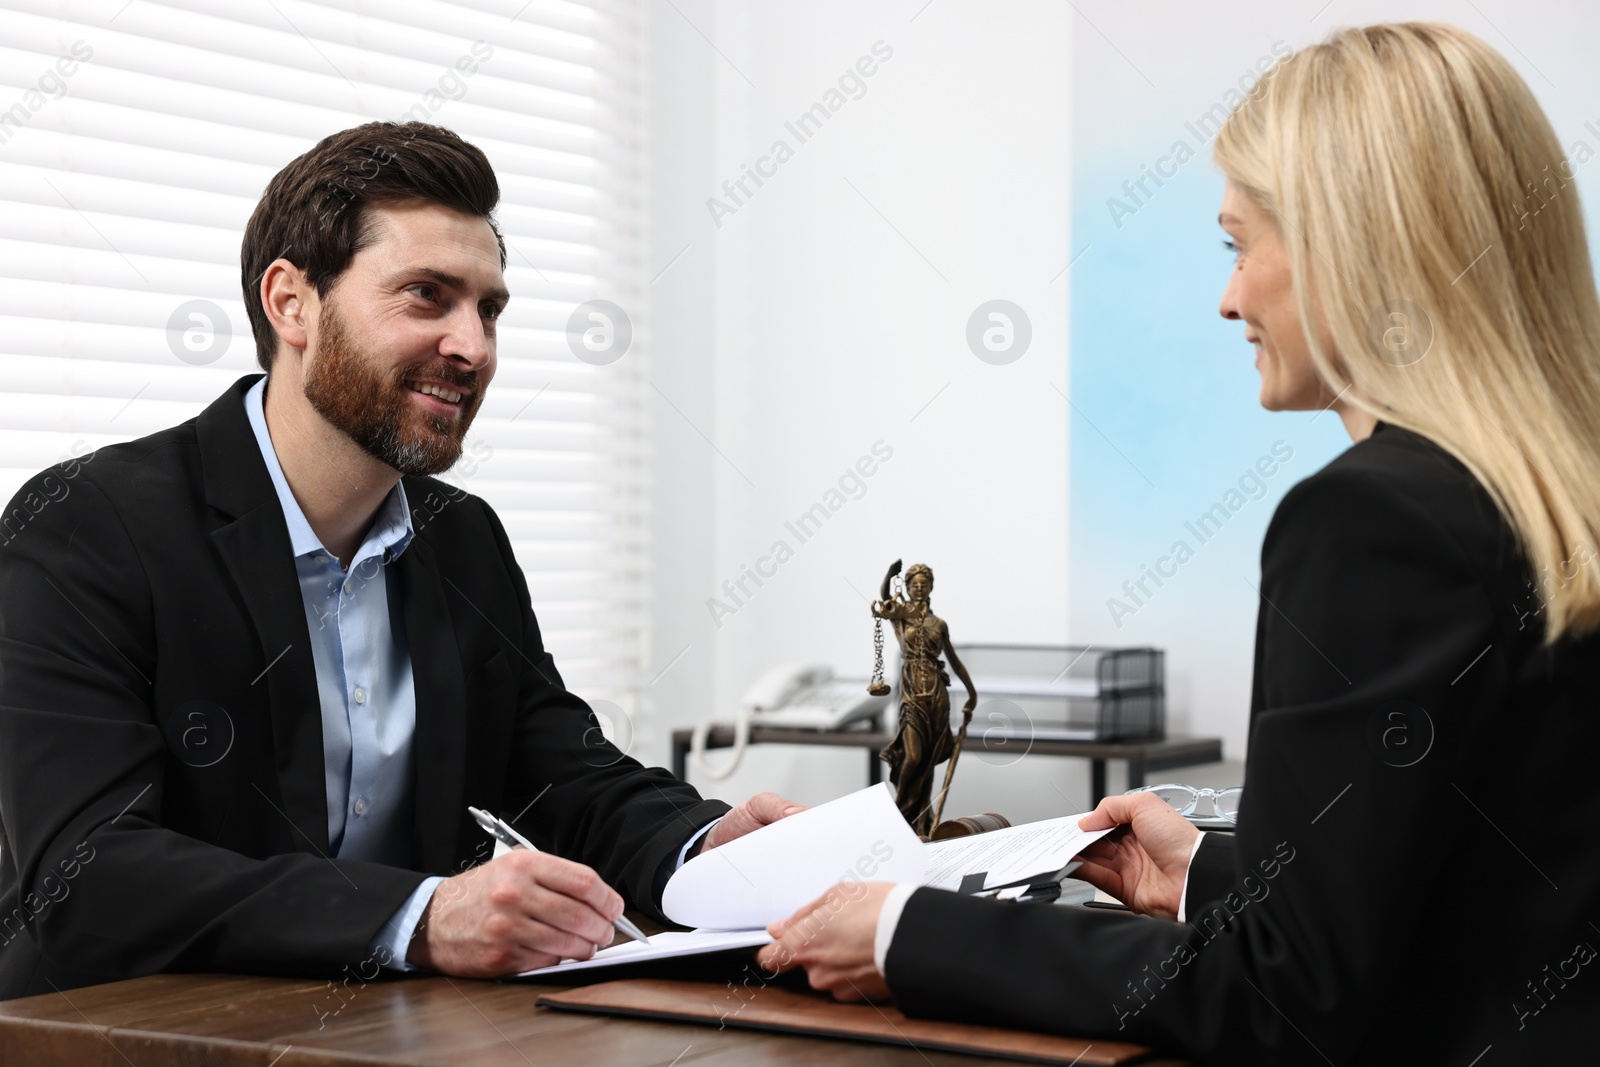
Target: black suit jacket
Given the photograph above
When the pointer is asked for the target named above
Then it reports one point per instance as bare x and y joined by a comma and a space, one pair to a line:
161, 757
1414, 878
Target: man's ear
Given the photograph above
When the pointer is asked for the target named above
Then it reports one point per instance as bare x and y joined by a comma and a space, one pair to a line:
286, 296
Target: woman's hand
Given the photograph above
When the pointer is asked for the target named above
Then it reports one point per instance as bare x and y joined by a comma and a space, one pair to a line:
832, 938
1144, 863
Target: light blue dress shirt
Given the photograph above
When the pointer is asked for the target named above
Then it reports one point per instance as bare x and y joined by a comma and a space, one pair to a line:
365, 689
364, 686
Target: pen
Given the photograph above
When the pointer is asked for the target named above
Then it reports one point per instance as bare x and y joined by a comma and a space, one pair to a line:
501, 831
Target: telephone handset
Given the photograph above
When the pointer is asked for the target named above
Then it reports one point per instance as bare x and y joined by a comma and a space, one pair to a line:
775, 687
800, 696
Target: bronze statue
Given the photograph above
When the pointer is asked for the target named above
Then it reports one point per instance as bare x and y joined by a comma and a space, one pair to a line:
923, 740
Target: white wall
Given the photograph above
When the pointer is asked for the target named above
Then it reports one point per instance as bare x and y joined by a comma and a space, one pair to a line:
828, 312
806, 327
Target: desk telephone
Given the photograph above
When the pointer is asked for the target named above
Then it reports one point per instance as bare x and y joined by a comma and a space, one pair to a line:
792, 696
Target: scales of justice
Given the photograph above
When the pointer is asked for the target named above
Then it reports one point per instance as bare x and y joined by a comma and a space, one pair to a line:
923, 739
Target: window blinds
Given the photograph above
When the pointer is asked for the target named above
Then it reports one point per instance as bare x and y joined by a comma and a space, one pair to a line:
135, 140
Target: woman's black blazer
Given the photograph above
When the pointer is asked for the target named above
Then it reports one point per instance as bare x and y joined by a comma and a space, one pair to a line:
1416, 873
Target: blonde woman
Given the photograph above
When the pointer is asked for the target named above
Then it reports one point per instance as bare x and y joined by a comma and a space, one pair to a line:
1415, 876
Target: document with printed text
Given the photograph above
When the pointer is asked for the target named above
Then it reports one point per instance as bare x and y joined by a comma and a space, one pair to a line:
1009, 855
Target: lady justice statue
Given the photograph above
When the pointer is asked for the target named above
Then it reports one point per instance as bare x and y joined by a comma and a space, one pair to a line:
923, 740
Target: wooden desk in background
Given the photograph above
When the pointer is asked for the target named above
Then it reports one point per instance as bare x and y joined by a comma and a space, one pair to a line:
236, 1021
1142, 756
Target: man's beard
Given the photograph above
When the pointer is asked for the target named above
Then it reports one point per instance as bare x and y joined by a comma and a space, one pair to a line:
350, 389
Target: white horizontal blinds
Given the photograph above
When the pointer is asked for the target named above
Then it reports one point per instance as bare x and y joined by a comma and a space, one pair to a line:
129, 168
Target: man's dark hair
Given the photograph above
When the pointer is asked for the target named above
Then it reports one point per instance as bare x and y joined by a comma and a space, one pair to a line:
314, 211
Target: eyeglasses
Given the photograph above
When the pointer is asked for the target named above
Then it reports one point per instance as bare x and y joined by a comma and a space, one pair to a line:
1184, 798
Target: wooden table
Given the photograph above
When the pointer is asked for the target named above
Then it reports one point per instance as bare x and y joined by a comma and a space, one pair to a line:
1141, 756
236, 1021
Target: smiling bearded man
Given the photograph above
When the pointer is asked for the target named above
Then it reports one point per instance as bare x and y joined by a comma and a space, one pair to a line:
260, 585
350, 389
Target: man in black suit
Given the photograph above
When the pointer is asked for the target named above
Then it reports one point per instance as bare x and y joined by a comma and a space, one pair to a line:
255, 668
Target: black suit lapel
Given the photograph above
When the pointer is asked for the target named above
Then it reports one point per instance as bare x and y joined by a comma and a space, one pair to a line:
256, 550
439, 744
255, 547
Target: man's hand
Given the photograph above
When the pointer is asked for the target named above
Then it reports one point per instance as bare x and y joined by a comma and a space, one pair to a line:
832, 938
519, 911
753, 814
1143, 864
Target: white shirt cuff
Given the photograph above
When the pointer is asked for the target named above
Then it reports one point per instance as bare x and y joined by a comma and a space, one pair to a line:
687, 845
888, 919
394, 938
1183, 893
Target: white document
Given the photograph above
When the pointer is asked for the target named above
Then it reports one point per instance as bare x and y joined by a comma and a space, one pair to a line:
772, 873
662, 946
1007, 855
733, 891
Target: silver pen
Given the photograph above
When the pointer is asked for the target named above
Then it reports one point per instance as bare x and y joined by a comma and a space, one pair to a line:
501, 831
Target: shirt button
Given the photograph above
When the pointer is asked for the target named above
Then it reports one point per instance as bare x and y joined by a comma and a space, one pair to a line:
360, 695
361, 805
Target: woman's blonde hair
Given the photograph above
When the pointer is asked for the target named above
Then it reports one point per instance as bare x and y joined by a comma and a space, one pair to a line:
1435, 237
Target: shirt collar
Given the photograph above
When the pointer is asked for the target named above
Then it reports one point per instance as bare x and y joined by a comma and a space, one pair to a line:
391, 530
